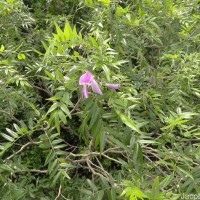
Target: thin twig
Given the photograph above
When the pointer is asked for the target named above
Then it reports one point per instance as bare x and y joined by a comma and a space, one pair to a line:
32, 171
95, 154
21, 149
44, 90
106, 156
92, 170
75, 106
10, 115
59, 192
113, 150
64, 196
102, 168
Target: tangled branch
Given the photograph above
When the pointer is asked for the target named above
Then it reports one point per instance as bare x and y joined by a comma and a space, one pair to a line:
95, 167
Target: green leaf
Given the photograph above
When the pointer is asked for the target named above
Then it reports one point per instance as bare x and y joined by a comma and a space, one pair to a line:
129, 122
65, 110
105, 183
95, 117
60, 146
100, 195
92, 185
7, 137
174, 123
17, 128
102, 141
34, 108
53, 136
67, 31
57, 121
59, 33
52, 166
117, 142
113, 194
57, 96
49, 157
4, 167
2, 47
57, 141
12, 133
55, 178
88, 192
105, 2
65, 174
107, 72
45, 145
138, 193
155, 187
62, 117
53, 107
49, 75
21, 56
185, 172
88, 2
168, 179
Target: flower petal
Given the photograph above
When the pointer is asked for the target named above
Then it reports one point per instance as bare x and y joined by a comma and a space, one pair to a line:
86, 78
95, 87
84, 91
113, 86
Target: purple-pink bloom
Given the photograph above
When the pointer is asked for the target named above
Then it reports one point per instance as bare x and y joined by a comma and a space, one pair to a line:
95, 87
84, 91
112, 86
86, 80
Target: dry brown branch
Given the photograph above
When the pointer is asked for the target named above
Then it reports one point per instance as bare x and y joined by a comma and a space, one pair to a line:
99, 169
94, 168
106, 156
59, 193
96, 154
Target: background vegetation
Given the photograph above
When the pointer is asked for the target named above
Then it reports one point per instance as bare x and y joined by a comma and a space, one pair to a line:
137, 142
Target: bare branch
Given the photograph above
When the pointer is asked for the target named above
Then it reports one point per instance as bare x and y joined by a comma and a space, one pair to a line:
59, 193
97, 154
92, 170
96, 169
106, 156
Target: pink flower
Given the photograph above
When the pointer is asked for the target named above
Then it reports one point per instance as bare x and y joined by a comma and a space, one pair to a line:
84, 91
95, 87
86, 80
112, 86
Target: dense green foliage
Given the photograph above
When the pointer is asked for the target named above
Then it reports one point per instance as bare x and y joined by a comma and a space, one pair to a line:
140, 141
